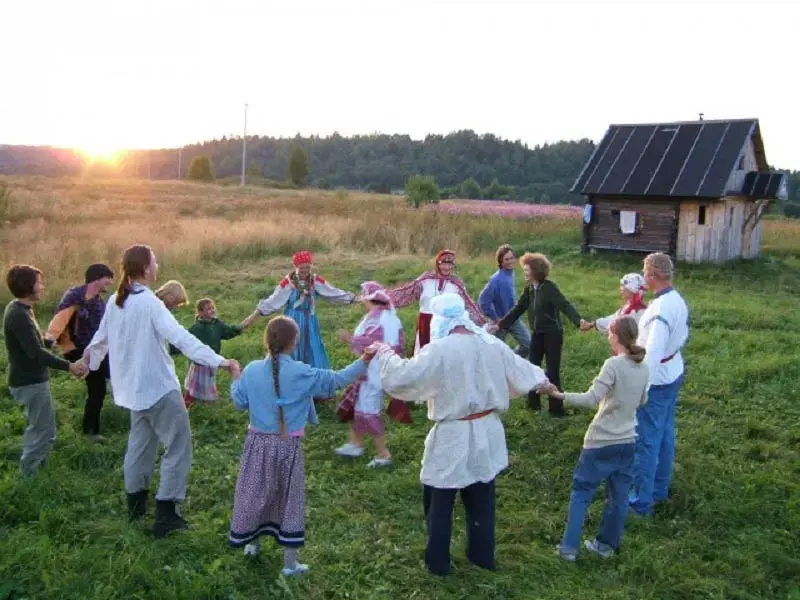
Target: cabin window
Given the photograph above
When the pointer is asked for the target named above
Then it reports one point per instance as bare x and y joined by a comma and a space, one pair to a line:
741, 163
701, 216
730, 216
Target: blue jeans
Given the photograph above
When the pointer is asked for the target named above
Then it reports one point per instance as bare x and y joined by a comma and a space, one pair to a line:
655, 447
520, 333
614, 464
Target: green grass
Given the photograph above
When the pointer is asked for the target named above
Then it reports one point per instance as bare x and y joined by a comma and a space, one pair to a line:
731, 528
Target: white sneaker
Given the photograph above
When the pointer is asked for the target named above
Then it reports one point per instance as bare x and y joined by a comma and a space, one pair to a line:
252, 549
379, 462
349, 450
299, 569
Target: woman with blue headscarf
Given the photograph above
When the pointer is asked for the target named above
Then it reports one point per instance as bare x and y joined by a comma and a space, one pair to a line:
467, 377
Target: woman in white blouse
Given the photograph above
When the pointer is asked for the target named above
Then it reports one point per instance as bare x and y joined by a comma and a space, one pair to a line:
467, 377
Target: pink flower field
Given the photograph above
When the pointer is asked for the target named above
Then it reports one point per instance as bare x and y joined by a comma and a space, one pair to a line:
511, 210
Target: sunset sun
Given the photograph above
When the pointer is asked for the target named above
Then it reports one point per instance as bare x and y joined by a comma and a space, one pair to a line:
99, 151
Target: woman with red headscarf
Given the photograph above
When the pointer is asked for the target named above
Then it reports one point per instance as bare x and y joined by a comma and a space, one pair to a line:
631, 288
428, 286
297, 294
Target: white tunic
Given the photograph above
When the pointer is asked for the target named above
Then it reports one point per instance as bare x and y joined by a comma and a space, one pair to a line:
460, 375
663, 331
430, 289
604, 323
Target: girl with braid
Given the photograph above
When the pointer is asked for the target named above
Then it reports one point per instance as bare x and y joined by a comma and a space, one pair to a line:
278, 392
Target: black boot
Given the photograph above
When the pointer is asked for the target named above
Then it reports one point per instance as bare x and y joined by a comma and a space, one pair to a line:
137, 505
534, 402
168, 519
556, 408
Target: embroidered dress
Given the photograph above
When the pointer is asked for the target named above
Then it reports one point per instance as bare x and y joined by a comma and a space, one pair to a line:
298, 299
425, 288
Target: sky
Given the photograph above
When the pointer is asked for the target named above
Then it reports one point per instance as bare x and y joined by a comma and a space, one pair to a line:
106, 74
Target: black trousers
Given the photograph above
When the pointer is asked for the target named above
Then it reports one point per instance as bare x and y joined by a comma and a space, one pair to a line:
547, 346
96, 393
478, 500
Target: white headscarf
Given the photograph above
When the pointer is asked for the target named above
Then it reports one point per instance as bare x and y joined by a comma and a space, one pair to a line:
633, 282
449, 312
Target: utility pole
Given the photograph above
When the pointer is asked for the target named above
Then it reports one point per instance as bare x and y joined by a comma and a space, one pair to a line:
244, 146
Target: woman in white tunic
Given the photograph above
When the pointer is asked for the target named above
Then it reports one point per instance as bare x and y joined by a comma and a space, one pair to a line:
467, 377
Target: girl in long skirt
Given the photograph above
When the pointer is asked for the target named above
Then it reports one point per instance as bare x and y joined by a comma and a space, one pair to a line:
278, 392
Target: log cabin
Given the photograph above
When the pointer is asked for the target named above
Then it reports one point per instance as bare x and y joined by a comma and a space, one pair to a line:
695, 190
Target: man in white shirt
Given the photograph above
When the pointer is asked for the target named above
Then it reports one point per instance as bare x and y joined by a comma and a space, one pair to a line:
134, 332
663, 331
467, 377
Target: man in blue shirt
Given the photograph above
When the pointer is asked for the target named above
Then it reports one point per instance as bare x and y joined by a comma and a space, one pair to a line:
499, 297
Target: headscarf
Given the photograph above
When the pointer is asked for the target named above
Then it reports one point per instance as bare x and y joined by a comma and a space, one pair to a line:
634, 283
301, 258
450, 312
372, 290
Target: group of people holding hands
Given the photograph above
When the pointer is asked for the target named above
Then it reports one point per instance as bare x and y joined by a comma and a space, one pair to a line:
460, 368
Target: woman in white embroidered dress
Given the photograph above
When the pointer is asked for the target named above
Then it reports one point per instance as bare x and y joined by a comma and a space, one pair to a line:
467, 377
428, 286
631, 288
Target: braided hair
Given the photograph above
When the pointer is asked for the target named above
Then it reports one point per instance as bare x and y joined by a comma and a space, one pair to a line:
626, 330
281, 333
134, 263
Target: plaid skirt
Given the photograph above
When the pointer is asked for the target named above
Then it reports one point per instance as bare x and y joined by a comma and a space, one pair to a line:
201, 382
270, 492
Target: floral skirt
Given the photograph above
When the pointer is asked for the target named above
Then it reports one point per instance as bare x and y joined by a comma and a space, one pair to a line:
270, 494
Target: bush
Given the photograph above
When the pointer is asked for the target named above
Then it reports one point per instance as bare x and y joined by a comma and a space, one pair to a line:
298, 166
791, 210
470, 189
201, 169
421, 189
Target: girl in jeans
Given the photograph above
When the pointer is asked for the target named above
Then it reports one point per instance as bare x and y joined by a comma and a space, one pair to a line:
609, 445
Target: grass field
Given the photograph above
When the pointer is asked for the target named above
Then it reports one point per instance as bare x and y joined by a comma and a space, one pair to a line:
731, 528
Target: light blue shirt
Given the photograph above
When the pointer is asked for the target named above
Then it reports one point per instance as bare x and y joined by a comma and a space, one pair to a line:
299, 385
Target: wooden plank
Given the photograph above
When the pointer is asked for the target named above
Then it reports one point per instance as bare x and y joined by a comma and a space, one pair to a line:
719, 233
689, 210
683, 233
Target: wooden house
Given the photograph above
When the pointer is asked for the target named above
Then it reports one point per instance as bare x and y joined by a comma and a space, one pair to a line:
694, 190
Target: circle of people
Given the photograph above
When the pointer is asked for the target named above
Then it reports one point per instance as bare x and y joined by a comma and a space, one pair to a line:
460, 367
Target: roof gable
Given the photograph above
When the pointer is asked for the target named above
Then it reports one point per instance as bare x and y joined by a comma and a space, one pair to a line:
689, 159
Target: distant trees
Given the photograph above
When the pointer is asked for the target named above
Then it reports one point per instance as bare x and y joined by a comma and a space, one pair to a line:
201, 169
421, 189
470, 189
298, 166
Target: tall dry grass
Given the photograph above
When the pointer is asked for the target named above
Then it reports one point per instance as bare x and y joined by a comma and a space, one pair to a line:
61, 225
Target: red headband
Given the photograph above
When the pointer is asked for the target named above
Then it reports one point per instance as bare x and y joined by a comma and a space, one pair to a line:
301, 258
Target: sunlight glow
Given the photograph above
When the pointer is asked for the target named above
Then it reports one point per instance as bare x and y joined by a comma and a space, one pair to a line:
99, 152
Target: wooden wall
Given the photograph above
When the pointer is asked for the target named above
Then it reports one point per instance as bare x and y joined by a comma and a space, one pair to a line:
658, 232
736, 180
722, 237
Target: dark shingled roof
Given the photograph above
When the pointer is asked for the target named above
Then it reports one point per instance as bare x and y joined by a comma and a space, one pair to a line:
693, 159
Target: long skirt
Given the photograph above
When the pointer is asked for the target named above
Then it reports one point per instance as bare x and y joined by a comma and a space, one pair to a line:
310, 348
423, 337
270, 492
201, 382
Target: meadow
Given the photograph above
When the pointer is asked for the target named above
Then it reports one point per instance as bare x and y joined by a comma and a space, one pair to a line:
731, 528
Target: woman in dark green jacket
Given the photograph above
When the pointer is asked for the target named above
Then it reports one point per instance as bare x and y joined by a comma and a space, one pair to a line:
543, 302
